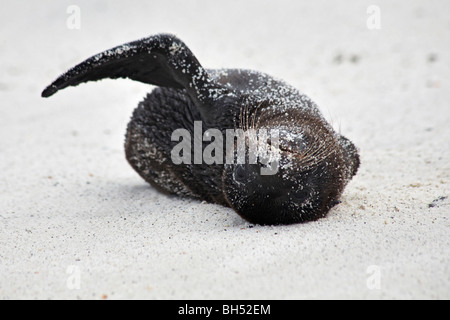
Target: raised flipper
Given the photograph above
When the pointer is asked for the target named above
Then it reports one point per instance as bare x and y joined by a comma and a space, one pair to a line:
161, 60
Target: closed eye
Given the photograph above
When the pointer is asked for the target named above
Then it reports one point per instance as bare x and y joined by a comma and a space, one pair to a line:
239, 174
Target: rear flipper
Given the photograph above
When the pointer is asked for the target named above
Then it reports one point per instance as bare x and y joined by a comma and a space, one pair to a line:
161, 60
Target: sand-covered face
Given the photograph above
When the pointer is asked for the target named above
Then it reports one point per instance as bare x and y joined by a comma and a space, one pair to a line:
303, 187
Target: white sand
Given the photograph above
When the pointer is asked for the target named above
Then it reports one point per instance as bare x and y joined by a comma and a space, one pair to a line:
77, 222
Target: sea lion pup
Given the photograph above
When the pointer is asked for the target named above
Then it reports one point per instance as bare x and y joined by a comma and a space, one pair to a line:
313, 162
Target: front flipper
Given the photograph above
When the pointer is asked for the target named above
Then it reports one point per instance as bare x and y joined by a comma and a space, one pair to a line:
161, 60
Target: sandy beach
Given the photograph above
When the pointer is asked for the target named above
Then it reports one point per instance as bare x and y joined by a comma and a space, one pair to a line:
76, 222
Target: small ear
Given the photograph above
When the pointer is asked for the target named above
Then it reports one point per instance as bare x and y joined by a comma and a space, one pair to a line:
161, 60
351, 155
